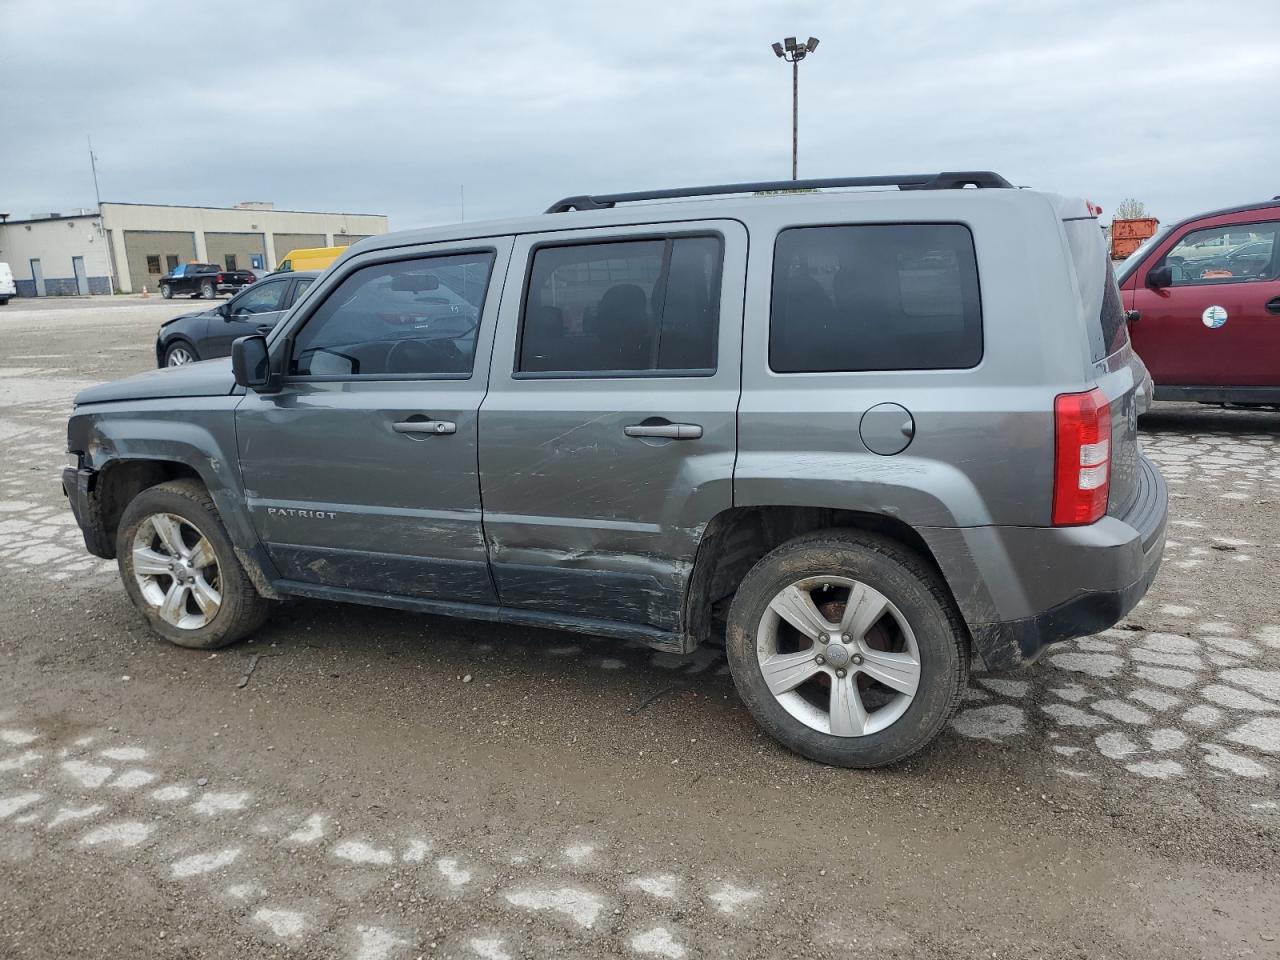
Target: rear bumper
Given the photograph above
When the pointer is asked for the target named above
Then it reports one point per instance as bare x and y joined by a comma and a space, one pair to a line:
77, 484
1043, 585
232, 287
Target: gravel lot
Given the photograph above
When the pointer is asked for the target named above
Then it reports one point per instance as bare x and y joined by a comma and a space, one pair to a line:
356, 798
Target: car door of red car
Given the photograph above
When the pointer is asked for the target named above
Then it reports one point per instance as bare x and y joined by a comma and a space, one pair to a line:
1218, 322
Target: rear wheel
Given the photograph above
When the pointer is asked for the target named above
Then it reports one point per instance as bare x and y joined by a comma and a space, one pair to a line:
166, 291
847, 649
180, 569
206, 290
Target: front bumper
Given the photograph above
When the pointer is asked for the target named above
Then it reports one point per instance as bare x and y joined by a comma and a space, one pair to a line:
1056, 583
77, 484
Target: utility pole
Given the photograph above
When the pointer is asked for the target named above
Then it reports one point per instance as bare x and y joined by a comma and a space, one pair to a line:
102, 230
793, 53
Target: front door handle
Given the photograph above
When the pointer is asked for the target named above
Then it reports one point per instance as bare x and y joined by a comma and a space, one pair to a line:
665, 431
1273, 305
429, 427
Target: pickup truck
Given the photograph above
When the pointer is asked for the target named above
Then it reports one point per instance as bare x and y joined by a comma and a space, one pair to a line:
205, 280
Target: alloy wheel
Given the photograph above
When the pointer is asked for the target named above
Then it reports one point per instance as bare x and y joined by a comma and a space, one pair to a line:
178, 357
838, 656
176, 571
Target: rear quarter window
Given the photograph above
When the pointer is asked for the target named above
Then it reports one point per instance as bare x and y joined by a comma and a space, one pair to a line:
1099, 292
875, 297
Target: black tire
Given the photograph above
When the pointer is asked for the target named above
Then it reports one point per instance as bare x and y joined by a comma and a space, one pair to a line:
242, 610
206, 291
166, 291
912, 586
174, 347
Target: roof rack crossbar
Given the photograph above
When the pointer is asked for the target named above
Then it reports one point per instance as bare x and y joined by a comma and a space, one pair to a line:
910, 181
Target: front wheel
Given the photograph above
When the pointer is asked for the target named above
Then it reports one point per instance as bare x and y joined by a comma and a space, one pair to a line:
206, 291
847, 649
179, 354
166, 291
181, 571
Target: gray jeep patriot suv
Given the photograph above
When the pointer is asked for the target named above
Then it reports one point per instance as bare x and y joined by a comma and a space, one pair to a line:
875, 431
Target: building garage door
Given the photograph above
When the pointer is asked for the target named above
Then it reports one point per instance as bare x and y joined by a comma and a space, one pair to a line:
153, 253
296, 241
232, 251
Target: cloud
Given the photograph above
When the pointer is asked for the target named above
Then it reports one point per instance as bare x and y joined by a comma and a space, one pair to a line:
388, 107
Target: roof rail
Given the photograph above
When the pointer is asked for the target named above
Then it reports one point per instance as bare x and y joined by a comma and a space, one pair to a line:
909, 181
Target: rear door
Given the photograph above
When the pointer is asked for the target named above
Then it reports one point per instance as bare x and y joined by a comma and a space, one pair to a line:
608, 434
1219, 322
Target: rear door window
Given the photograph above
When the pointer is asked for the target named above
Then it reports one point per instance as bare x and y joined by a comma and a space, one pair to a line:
875, 297
619, 307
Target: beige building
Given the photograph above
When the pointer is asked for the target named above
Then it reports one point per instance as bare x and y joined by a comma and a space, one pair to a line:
137, 243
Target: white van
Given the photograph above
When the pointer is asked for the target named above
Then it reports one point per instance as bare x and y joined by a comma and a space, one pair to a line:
7, 287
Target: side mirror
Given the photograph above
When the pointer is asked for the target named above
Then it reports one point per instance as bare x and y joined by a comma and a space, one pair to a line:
251, 364
224, 310
1160, 277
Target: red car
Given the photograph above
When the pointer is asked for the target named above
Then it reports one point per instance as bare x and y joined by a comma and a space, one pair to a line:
1207, 291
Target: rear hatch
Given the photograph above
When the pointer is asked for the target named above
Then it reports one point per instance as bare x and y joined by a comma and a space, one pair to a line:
1117, 370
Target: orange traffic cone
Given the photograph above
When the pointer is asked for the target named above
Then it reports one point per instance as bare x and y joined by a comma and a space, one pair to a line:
144, 293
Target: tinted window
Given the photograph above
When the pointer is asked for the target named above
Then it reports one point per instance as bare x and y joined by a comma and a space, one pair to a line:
1227, 254
874, 297
627, 306
411, 317
1096, 281
301, 288
260, 298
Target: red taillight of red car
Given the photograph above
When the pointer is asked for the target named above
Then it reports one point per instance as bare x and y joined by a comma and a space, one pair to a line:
1082, 457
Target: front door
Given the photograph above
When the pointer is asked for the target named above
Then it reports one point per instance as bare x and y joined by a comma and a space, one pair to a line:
257, 309
82, 278
361, 472
1219, 323
608, 434
37, 277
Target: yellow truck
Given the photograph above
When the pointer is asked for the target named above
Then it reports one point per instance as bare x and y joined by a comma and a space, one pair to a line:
309, 258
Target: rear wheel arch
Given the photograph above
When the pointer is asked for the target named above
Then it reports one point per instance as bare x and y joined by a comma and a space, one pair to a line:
736, 539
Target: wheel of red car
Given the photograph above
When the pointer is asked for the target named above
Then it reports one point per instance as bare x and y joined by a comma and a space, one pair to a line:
206, 290
166, 291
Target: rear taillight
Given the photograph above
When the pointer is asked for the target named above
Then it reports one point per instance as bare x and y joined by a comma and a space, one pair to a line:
218, 278
1082, 457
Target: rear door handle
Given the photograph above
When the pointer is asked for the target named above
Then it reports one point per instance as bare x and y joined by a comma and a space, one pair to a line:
429, 427
1273, 305
666, 431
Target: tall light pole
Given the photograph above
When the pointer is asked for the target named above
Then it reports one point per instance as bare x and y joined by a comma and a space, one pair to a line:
793, 53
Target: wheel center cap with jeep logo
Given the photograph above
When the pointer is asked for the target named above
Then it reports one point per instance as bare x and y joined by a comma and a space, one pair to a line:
837, 655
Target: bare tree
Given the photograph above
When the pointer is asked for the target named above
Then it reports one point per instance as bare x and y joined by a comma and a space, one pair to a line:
1131, 209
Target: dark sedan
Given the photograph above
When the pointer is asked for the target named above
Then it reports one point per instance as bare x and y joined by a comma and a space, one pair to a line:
210, 333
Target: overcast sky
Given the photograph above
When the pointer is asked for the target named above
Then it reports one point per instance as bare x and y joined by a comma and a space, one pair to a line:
387, 107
